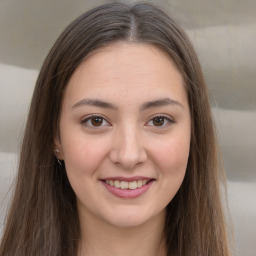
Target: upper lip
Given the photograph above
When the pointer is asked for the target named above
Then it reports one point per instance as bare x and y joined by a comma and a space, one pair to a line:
128, 179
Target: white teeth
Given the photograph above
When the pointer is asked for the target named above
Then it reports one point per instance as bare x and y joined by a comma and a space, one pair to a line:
125, 184
117, 184
133, 185
139, 183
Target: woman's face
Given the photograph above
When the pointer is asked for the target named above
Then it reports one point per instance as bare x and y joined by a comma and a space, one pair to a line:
125, 134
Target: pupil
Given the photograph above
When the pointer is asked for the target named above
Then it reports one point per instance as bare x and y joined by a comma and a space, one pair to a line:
158, 121
96, 121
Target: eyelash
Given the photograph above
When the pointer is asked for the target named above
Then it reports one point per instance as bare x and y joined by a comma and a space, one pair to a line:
90, 118
167, 121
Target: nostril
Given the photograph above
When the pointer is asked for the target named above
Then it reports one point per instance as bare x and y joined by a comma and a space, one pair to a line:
128, 154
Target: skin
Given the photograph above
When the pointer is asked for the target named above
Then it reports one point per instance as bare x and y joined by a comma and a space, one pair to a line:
129, 141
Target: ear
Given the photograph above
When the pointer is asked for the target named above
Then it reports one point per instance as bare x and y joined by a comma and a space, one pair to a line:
57, 149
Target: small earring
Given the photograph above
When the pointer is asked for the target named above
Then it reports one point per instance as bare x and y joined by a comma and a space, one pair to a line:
57, 151
59, 161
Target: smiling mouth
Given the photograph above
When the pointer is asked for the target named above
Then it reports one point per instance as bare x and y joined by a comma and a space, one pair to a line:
127, 184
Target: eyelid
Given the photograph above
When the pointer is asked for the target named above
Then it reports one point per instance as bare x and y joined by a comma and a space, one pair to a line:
88, 117
165, 116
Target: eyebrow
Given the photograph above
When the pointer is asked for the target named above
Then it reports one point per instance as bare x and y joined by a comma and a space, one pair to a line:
146, 105
95, 103
161, 103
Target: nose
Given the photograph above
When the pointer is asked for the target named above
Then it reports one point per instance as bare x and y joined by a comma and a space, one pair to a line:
128, 148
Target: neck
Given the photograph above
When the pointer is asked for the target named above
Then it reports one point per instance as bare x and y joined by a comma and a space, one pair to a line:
103, 239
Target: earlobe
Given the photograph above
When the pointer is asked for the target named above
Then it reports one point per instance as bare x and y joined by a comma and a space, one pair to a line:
57, 150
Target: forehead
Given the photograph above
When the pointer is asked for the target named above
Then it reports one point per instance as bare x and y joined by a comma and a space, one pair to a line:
125, 58
128, 70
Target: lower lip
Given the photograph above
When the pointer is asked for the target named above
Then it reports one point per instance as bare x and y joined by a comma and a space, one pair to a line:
128, 193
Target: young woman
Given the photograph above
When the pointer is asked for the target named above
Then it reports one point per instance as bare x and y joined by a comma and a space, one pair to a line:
119, 155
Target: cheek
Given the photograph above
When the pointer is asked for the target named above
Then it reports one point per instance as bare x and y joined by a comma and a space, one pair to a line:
172, 156
82, 160
83, 155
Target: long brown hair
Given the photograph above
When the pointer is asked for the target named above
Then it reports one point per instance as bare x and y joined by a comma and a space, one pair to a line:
42, 219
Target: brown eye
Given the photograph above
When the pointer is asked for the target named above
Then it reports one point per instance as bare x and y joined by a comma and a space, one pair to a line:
158, 121
96, 121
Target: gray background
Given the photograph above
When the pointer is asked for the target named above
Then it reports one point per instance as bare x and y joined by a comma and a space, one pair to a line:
224, 34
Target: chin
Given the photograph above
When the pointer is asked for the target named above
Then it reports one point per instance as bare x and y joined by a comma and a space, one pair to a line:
127, 222
132, 219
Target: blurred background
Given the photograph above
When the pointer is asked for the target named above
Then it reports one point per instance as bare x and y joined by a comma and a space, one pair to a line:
224, 35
